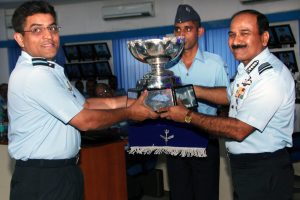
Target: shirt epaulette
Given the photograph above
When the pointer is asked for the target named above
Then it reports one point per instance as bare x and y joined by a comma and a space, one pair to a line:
264, 67
252, 66
41, 61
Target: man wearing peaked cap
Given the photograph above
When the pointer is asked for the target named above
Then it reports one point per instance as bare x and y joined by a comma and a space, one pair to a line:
193, 178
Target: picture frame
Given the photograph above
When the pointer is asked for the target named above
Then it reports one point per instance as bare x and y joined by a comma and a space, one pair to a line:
289, 59
71, 53
88, 70
87, 52
186, 95
102, 51
273, 41
103, 69
284, 34
73, 71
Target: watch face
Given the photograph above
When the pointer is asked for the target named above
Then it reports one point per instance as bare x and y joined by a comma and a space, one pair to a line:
188, 119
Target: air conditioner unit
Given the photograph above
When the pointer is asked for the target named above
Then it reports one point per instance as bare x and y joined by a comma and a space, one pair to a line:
255, 1
127, 11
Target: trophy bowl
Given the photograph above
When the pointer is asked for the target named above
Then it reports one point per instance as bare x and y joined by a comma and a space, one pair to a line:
157, 52
152, 51
164, 88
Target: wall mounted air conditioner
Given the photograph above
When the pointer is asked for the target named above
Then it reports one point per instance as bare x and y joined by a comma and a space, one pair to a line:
127, 11
255, 1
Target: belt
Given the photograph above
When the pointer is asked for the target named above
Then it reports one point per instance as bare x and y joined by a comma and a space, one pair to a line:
44, 163
256, 156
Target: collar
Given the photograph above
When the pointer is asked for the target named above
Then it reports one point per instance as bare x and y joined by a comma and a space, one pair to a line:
199, 56
38, 61
257, 65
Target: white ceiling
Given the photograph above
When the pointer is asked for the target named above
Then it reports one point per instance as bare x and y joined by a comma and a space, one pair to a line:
15, 3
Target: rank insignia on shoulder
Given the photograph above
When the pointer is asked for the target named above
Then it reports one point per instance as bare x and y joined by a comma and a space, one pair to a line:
252, 66
263, 67
41, 61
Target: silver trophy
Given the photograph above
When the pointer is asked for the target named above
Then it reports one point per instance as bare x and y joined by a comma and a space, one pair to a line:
160, 83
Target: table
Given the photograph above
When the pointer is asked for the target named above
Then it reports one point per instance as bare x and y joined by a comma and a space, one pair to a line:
104, 171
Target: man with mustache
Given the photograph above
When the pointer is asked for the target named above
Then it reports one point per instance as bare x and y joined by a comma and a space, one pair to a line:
46, 112
260, 124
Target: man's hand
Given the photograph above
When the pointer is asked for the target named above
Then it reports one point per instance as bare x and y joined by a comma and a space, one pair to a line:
139, 111
175, 113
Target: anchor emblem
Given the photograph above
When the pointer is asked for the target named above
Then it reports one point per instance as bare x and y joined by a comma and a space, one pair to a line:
166, 137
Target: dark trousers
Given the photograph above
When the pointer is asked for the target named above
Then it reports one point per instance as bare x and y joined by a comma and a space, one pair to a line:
44, 181
193, 178
263, 176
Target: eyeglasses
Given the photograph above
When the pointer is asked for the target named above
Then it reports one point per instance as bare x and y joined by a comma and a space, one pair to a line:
38, 30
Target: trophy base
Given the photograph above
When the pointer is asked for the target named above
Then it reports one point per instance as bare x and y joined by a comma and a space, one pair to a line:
164, 97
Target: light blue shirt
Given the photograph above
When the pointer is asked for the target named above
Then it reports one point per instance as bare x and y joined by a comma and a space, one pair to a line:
41, 102
263, 96
208, 70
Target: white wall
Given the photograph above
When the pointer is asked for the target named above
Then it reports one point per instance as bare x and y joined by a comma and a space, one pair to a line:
83, 18
6, 168
86, 17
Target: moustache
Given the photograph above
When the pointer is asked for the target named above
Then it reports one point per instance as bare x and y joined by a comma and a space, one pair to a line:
238, 46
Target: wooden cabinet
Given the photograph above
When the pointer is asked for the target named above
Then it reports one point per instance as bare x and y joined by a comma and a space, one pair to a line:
104, 171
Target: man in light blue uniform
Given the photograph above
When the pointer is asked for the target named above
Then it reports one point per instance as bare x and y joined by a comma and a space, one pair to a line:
264, 73
46, 112
261, 115
197, 67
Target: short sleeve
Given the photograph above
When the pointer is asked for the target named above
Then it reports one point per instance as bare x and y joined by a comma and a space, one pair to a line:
52, 94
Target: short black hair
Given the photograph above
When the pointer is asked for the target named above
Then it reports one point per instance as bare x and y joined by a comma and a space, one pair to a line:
262, 20
28, 9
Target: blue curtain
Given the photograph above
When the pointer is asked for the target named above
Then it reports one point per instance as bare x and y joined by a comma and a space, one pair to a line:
216, 42
129, 70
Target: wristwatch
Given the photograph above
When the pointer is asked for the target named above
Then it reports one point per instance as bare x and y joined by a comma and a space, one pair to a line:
188, 117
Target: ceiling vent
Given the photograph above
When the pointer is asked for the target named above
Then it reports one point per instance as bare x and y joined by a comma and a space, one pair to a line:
127, 11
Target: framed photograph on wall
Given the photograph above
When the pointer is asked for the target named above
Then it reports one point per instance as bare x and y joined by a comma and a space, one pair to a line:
289, 59
284, 34
71, 53
102, 51
273, 41
73, 71
103, 69
87, 52
88, 70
